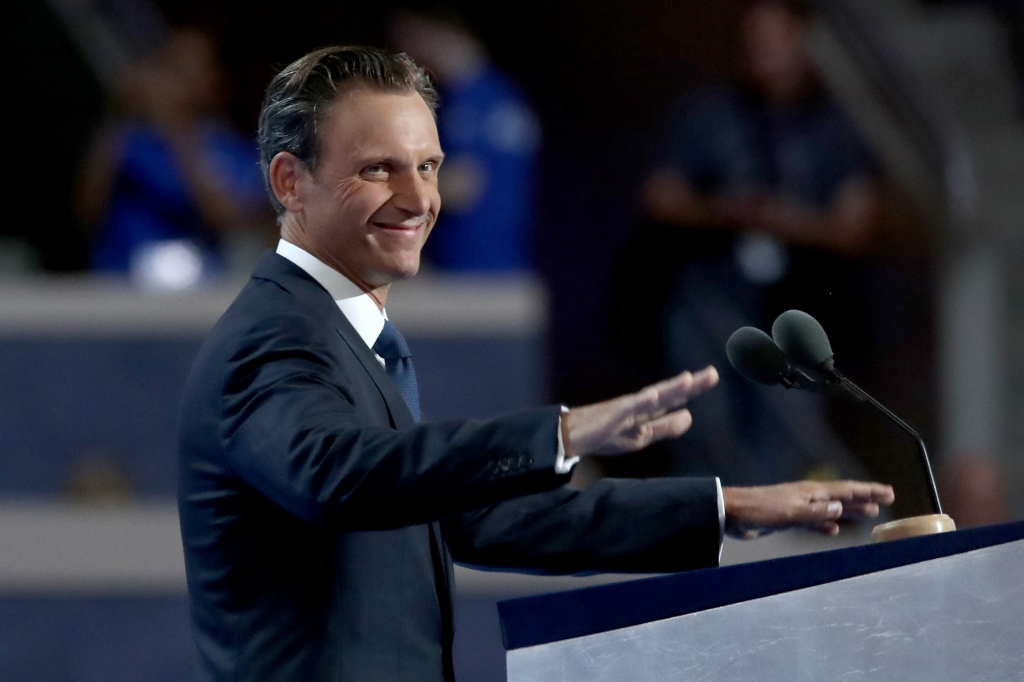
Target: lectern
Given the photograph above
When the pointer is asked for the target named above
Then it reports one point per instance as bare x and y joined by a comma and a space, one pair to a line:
940, 607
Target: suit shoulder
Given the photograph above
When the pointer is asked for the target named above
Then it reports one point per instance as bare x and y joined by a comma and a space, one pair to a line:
266, 309
265, 321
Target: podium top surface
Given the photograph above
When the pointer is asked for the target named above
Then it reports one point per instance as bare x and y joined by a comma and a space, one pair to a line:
531, 621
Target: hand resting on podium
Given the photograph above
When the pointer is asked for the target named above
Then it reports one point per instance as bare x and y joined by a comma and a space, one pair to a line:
754, 511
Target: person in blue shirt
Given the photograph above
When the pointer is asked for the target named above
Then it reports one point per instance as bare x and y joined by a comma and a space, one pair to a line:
491, 140
169, 169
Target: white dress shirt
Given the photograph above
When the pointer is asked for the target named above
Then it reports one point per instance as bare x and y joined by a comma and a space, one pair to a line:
368, 320
355, 304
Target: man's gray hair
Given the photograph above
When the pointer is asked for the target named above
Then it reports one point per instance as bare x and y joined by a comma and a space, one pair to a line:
301, 96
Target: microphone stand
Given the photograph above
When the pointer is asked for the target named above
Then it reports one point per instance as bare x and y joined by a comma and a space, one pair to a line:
839, 381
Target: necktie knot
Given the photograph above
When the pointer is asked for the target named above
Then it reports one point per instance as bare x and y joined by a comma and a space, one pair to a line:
391, 345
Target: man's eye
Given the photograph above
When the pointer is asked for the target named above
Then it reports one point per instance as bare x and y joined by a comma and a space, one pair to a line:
375, 169
428, 167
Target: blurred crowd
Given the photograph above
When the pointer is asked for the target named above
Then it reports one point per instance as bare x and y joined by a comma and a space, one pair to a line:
167, 180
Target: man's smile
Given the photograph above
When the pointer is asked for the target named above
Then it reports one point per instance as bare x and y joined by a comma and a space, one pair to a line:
400, 228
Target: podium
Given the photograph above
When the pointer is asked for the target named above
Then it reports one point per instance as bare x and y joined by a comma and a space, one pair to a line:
940, 607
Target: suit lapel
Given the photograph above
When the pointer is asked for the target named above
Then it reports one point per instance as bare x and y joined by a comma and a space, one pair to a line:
297, 281
401, 417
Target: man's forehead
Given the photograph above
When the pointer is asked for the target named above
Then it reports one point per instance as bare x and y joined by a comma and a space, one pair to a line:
365, 121
364, 108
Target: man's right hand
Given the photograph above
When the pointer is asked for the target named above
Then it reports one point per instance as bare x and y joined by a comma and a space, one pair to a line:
632, 422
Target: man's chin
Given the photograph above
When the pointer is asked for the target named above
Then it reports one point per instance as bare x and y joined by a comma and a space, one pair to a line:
399, 272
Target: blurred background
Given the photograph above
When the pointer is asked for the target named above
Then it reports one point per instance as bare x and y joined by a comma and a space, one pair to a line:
625, 185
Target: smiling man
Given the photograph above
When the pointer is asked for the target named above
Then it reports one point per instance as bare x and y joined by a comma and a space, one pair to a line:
319, 517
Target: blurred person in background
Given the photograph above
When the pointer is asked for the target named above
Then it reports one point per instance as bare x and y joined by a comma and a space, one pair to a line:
773, 158
167, 177
764, 189
492, 141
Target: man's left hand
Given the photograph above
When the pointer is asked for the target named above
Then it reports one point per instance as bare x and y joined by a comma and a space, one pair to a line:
750, 512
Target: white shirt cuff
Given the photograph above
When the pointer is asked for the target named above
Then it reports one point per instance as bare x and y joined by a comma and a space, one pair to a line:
721, 517
564, 466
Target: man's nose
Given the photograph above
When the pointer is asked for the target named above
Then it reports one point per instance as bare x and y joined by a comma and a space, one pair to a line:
412, 193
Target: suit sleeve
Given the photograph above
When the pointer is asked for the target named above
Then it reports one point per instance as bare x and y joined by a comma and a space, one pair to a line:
657, 525
290, 429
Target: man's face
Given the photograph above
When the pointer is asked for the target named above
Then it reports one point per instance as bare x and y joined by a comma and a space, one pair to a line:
372, 200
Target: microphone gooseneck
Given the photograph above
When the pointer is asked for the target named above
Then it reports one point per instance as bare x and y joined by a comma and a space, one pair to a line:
804, 342
857, 392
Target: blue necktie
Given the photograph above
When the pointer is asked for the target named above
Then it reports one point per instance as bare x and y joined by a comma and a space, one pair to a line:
391, 346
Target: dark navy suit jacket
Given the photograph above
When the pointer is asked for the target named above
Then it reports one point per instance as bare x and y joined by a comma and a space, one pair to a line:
319, 521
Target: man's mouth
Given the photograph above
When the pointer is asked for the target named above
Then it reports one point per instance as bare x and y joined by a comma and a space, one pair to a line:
399, 228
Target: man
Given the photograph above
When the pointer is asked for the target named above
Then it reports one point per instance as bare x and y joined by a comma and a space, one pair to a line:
319, 519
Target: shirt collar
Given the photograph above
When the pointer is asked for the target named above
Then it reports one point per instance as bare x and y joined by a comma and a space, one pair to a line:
355, 304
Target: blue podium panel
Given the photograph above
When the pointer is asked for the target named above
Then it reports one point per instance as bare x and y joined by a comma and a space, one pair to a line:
957, 617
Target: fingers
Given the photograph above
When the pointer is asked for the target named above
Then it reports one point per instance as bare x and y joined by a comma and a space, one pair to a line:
855, 499
882, 494
817, 513
673, 393
671, 425
856, 491
829, 528
633, 421
701, 381
854, 510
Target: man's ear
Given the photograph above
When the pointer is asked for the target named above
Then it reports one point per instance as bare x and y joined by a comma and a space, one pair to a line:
286, 175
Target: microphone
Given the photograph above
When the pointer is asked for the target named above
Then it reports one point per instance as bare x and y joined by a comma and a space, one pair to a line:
753, 354
804, 342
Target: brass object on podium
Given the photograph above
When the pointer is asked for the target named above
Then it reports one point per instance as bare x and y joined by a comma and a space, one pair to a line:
929, 524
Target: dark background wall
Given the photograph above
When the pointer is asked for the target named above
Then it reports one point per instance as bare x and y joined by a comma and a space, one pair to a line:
52, 104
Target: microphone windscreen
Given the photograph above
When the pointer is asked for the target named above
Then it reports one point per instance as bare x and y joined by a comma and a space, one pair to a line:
802, 340
755, 356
